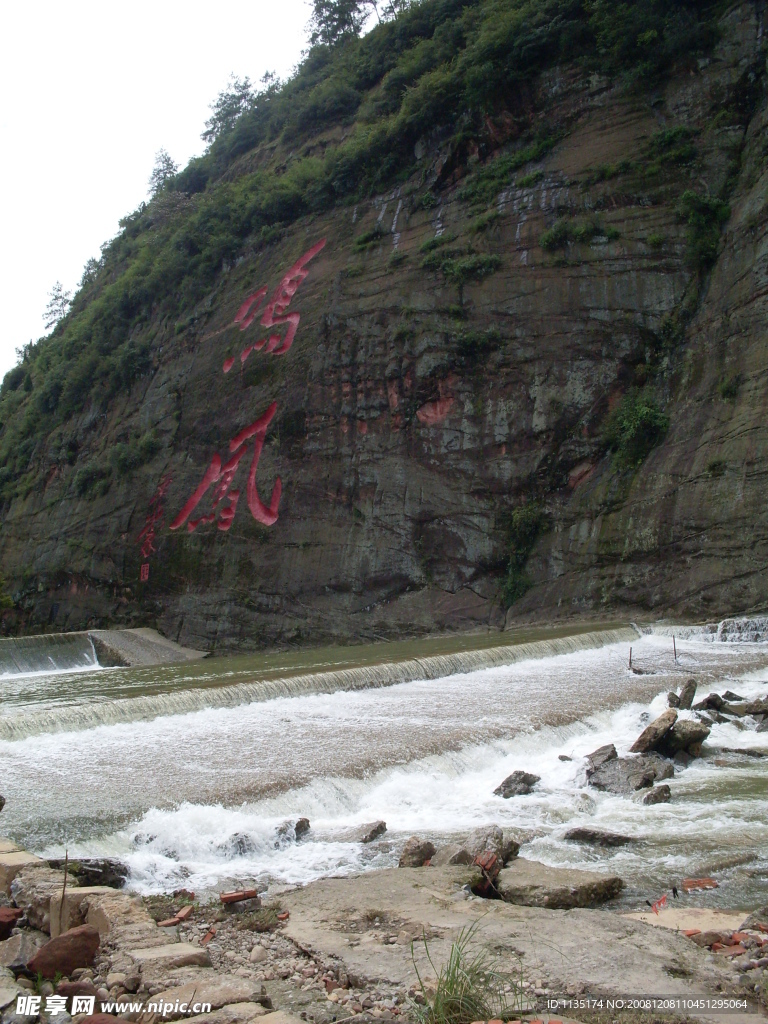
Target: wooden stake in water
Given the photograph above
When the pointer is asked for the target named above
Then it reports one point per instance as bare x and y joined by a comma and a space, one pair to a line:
64, 886
674, 647
630, 657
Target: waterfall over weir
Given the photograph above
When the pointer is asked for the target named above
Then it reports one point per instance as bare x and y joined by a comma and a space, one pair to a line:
357, 678
54, 652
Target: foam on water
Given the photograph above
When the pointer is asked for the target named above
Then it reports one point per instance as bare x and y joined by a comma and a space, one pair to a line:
196, 799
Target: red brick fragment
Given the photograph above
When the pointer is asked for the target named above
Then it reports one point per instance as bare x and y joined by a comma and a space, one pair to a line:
238, 897
690, 932
184, 913
283, 916
210, 934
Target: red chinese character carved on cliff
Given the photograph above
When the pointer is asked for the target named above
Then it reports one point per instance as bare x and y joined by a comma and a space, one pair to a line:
274, 314
154, 516
224, 501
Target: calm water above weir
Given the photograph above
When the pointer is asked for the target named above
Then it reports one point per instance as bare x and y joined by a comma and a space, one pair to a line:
186, 772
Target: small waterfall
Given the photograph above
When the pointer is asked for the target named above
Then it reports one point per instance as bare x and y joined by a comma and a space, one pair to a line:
753, 630
54, 652
364, 677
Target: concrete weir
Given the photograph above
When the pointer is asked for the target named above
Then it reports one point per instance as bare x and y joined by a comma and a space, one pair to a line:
63, 652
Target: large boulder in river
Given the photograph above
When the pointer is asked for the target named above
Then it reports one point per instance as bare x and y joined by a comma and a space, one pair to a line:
416, 853
626, 775
652, 735
599, 757
684, 735
517, 784
487, 839
688, 692
64, 954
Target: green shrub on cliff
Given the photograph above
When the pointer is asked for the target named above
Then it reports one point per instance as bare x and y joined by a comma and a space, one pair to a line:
634, 428
705, 217
522, 529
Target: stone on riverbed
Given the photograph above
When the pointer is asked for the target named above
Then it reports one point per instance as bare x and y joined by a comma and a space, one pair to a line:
487, 838
650, 737
529, 884
684, 735
599, 757
688, 692
416, 853
595, 837
758, 919
517, 784
658, 795
626, 775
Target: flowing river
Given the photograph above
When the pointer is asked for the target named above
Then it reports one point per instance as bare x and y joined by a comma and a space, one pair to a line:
186, 773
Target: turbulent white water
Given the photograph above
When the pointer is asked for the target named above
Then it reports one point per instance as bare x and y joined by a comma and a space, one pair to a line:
196, 798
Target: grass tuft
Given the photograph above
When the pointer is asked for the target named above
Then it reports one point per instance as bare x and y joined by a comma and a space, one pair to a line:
470, 987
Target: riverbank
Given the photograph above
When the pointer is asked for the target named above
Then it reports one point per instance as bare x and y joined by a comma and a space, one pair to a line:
367, 948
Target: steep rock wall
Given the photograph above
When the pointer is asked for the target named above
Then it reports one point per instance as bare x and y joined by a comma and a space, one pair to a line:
419, 404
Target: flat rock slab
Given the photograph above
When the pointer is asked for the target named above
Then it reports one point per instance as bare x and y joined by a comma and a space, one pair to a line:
12, 863
6, 846
607, 953
69, 915
218, 992
530, 884
693, 917
8, 993
16, 951
174, 954
238, 1013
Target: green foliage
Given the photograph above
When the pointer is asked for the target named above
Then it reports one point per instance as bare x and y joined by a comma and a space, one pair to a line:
484, 221
6, 601
472, 986
127, 456
705, 217
582, 232
529, 180
673, 145
93, 480
487, 182
729, 387
716, 468
634, 428
522, 529
435, 243
472, 346
655, 240
369, 238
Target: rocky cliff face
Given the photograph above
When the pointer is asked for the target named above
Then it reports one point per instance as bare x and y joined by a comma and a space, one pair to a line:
448, 368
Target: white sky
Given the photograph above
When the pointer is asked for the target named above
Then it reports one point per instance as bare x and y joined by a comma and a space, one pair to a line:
89, 91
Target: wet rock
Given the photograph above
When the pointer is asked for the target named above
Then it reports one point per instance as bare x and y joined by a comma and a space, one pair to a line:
599, 757
517, 784
2, 802
652, 735
452, 853
529, 884
293, 830
687, 694
62, 955
658, 795
363, 833
626, 775
762, 726
673, 700
416, 853
564, 757
685, 735
595, 837
97, 871
730, 696
8, 918
712, 702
